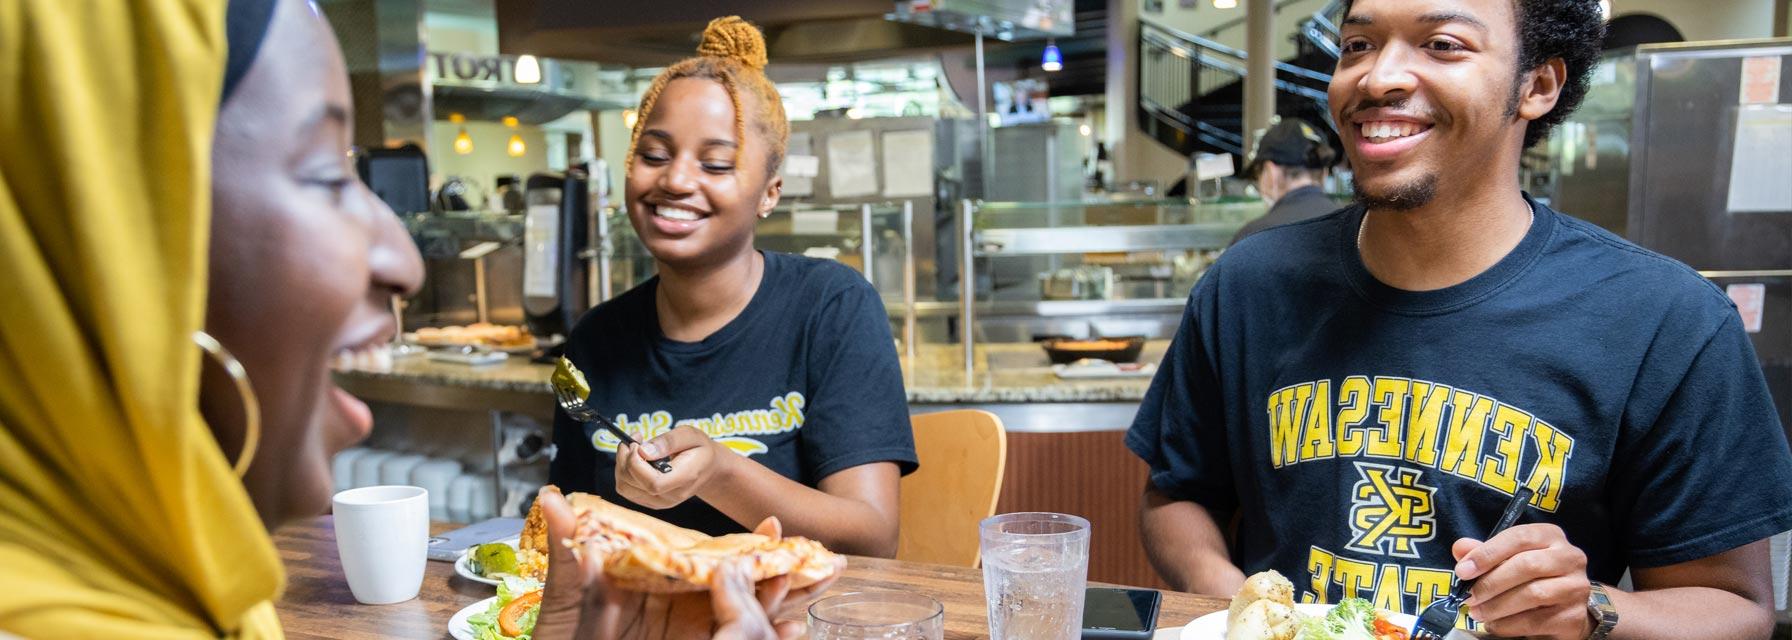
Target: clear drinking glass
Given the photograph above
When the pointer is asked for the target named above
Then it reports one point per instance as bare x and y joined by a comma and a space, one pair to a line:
883, 615
1034, 569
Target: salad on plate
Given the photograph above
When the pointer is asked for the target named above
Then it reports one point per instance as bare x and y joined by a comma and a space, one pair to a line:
1264, 609
510, 616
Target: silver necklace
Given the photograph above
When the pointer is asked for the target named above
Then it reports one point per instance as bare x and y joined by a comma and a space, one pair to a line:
1363, 226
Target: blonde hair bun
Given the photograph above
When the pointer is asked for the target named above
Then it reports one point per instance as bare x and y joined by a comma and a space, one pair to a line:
735, 39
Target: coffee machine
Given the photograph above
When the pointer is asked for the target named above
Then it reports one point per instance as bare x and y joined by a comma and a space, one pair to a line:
556, 233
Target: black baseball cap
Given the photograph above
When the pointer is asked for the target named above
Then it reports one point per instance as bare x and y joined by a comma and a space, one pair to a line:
1290, 142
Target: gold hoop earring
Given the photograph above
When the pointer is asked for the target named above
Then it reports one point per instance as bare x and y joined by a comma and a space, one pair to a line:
251, 408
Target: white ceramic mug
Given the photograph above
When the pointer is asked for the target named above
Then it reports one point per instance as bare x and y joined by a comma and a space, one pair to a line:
435, 476
382, 535
396, 470
342, 467
460, 496
367, 467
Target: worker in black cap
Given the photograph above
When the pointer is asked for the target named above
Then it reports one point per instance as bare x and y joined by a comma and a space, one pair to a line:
1289, 163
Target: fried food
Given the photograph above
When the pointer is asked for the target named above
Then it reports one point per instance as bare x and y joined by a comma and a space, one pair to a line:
643, 553
501, 336
1090, 345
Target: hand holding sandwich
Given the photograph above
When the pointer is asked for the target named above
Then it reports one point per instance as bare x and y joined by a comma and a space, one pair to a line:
579, 602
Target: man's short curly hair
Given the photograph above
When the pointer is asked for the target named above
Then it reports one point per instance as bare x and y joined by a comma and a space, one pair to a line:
1568, 29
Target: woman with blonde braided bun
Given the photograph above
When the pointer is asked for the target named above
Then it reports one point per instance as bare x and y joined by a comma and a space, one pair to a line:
768, 381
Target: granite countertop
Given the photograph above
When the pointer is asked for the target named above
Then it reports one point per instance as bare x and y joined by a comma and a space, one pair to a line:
1021, 374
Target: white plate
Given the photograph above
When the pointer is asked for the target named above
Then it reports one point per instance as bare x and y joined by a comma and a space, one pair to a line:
465, 570
458, 625
1213, 625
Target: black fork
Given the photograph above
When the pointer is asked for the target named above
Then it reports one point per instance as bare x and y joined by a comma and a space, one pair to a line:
1438, 619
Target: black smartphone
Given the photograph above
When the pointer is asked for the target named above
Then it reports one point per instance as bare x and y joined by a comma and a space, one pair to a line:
1120, 613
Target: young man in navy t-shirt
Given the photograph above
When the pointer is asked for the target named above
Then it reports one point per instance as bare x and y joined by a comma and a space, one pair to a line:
1352, 400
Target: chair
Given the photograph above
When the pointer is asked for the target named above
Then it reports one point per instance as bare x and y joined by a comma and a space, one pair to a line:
963, 454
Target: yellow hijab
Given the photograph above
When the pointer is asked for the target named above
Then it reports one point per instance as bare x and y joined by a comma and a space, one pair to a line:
119, 516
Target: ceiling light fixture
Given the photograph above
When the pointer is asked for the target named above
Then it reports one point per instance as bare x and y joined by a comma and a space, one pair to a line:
528, 70
1053, 59
463, 143
515, 147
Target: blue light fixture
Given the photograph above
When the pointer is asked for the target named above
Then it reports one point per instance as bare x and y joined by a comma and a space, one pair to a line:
1053, 60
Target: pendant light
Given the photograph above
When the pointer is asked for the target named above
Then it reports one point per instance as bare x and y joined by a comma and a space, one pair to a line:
1053, 59
463, 143
515, 147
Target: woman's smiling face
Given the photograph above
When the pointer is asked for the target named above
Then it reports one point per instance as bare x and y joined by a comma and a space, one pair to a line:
304, 263
695, 189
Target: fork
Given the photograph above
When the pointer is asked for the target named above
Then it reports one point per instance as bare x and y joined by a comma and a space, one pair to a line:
1436, 621
578, 410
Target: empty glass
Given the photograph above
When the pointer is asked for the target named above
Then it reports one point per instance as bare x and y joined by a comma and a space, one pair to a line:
1034, 569
883, 615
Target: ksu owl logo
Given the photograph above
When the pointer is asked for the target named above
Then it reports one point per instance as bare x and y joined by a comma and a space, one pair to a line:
1390, 511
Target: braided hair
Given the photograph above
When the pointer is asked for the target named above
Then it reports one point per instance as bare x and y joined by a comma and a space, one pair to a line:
732, 53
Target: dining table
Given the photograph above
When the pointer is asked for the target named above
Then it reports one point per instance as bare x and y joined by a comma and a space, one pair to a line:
317, 602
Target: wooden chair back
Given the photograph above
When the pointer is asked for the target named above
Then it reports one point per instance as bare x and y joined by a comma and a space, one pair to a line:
963, 454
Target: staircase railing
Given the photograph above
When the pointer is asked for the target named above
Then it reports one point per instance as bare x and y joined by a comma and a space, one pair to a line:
1320, 31
1179, 72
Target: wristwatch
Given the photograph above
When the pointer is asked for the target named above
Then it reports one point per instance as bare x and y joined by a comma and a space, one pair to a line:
1599, 606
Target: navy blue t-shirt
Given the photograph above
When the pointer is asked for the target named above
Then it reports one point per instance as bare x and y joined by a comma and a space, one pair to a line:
1355, 431
804, 381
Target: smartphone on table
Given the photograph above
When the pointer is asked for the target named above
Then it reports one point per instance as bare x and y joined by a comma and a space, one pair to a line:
1120, 613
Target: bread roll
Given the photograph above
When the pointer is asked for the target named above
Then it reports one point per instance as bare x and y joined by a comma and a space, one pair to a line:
1267, 585
1262, 620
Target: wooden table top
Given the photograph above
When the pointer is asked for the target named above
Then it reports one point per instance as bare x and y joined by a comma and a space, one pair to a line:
317, 602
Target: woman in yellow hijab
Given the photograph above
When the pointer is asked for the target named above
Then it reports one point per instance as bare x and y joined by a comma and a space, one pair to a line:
126, 228
120, 513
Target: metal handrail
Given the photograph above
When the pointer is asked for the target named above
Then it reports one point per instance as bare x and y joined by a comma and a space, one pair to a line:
1281, 84
1316, 36
1205, 43
1183, 67
1220, 138
1324, 23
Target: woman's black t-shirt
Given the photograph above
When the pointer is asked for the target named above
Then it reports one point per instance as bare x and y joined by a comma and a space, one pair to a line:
804, 381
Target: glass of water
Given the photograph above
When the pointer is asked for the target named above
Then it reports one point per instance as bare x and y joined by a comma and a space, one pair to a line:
880, 615
1034, 569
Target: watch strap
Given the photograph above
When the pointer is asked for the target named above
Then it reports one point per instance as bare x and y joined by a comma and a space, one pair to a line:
1599, 607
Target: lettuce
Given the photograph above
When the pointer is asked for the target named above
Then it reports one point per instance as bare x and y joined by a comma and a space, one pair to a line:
485, 623
1352, 619
511, 587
